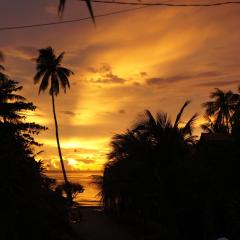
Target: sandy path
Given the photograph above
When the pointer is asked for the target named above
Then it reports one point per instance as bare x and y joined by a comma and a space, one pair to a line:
96, 226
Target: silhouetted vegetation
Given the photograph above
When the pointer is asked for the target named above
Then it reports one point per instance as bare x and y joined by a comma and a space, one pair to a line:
160, 179
49, 69
222, 113
31, 208
170, 185
74, 188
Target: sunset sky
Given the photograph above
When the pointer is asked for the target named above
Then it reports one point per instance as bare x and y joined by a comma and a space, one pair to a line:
153, 58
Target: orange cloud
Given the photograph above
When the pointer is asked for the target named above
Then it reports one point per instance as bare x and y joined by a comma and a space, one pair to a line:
154, 58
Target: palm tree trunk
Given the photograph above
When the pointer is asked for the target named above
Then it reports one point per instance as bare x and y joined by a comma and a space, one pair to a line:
59, 150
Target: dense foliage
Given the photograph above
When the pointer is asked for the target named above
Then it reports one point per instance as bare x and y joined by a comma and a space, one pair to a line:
159, 175
30, 207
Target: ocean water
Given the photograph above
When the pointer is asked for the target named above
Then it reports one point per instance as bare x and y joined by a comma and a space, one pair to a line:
90, 196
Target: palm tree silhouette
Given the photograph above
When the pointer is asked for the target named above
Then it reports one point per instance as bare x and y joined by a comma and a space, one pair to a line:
155, 127
49, 68
220, 109
152, 145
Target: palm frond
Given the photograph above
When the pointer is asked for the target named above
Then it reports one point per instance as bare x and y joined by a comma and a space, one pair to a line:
179, 115
211, 107
150, 118
62, 5
217, 93
44, 82
188, 128
39, 75
63, 79
66, 71
54, 84
59, 58
46, 56
162, 120
90, 9
145, 122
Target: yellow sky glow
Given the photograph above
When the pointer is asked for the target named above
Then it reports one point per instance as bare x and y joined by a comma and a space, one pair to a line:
154, 58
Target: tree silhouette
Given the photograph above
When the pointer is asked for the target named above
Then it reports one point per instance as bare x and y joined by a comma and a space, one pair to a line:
138, 159
153, 126
220, 109
49, 69
28, 197
13, 108
222, 113
161, 179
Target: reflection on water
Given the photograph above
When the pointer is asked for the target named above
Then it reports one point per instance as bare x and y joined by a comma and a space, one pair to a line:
90, 195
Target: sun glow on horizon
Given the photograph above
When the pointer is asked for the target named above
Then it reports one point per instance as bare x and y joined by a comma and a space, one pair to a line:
121, 69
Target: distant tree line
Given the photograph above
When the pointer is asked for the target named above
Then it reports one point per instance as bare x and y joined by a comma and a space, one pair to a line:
171, 185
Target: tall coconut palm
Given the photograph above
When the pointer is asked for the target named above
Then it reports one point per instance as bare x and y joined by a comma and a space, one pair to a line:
50, 70
220, 109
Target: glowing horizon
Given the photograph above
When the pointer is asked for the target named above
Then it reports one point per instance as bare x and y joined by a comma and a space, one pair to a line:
154, 58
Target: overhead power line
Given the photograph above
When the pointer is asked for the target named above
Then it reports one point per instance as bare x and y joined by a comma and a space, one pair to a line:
166, 4
69, 21
141, 4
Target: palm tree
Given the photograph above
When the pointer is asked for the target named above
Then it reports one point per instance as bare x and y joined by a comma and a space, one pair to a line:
162, 123
49, 69
220, 109
153, 145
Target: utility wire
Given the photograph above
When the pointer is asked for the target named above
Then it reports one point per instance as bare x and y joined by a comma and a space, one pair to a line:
166, 4
70, 21
141, 4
